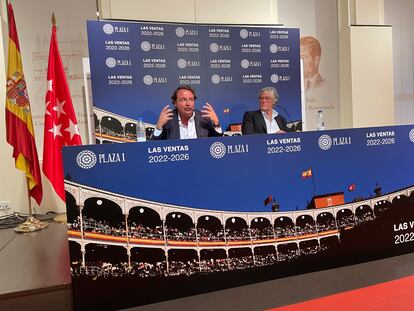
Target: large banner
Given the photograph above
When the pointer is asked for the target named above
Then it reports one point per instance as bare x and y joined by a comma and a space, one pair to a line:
158, 220
136, 66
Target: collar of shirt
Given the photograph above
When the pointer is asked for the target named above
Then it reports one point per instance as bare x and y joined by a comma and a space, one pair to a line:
188, 131
271, 125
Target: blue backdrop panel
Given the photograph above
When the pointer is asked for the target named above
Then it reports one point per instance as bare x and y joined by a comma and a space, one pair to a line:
136, 66
173, 218
252, 167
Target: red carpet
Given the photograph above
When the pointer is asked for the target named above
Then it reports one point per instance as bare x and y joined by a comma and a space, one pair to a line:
394, 295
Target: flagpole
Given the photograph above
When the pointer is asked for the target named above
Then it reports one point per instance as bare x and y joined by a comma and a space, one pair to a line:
31, 224
313, 182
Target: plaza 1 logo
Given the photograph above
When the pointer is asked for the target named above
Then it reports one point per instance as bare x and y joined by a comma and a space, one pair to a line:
87, 159
218, 150
325, 141
109, 29
112, 62
411, 135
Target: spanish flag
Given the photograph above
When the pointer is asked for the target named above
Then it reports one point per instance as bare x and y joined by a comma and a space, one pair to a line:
352, 187
19, 125
307, 173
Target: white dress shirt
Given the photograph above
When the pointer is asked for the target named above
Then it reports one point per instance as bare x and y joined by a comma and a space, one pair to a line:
271, 125
186, 132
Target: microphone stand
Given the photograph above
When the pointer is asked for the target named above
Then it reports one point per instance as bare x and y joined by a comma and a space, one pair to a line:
294, 126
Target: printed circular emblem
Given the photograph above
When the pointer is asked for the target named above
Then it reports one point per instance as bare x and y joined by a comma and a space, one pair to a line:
214, 47
411, 135
181, 63
273, 48
244, 33
17, 91
325, 142
110, 62
245, 63
215, 79
108, 29
145, 46
274, 78
86, 159
180, 32
217, 150
148, 80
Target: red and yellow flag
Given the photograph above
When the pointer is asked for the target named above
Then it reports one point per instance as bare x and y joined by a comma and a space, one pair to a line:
19, 125
307, 173
352, 187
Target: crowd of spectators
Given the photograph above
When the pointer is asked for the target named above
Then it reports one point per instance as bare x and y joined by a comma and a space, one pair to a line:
265, 260
189, 267
143, 269
103, 227
364, 217
110, 132
131, 136
137, 230
327, 225
147, 269
307, 229
241, 263
145, 232
180, 235
346, 221
206, 235
310, 250
262, 233
214, 265
282, 232
289, 255
242, 234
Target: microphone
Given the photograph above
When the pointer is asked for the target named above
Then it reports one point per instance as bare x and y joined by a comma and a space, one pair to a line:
296, 127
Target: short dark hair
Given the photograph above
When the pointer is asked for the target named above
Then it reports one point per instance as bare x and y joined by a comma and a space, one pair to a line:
182, 87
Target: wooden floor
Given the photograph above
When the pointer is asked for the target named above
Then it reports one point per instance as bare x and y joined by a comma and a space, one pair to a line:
34, 275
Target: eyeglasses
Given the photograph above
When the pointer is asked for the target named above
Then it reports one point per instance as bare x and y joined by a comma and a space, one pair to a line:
266, 98
186, 100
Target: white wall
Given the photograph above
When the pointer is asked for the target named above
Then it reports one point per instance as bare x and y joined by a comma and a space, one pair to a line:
192, 11
400, 14
366, 68
372, 76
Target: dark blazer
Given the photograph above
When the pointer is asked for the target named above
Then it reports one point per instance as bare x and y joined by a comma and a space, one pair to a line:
171, 130
254, 123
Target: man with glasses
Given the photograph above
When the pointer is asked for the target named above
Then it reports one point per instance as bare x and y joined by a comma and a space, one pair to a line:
266, 119
184, 121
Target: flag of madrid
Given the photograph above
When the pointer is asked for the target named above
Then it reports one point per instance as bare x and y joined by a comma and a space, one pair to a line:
61, 127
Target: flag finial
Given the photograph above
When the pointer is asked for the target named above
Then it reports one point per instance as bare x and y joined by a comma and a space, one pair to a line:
53, 19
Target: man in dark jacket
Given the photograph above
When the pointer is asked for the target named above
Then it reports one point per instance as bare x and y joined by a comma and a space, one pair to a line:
184, 121
266, 119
